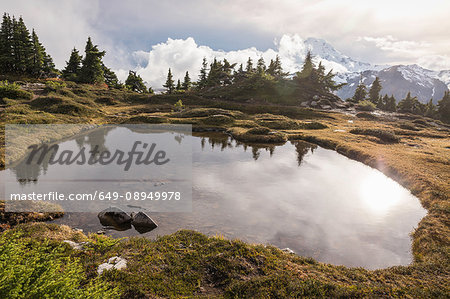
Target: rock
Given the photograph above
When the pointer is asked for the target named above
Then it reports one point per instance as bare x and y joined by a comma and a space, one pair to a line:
142, 222
115, 217
316, 97
78, 230
115, 262
304, 104
74, 245
100, 232
288, 250
313, 103
327, 107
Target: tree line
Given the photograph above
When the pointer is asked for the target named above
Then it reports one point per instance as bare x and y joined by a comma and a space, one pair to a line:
255, 77
21, 51
409, 104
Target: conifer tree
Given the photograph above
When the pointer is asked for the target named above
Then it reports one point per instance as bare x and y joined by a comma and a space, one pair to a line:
383, 102
249, 67
260, 66
275, 68
201, 83
135, 83
391, 104
178, 87
169, 85
443, 107
360, 93
92, 69
374, 91
430, 109
409, 104
38, 55
22, 47
186, 82
73, 67
307, 68
110, 77
6, 48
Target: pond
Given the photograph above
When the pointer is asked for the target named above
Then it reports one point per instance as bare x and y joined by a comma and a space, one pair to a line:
300, 196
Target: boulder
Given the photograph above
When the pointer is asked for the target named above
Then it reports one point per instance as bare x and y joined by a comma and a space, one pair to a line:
142, 222
115, 217
115, 262
313, 104
75, 245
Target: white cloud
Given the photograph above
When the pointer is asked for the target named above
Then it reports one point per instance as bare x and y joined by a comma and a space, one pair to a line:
390, 43
183, 55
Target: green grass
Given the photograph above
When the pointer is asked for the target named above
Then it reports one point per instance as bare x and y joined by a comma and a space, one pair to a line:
38, 269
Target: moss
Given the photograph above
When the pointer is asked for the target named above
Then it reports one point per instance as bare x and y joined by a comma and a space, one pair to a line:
147, 119
217, 120
382, 135
258, 135
366, 115
13, 91
313, 125
62, 105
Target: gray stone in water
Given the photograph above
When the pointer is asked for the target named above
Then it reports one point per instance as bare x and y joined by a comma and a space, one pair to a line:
142, 222
115, 217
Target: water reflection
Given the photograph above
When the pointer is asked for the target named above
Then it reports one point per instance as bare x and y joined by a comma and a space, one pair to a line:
312, 200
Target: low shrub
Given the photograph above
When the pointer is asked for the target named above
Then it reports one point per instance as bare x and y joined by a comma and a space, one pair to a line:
313, 125
34, 269
217, 120
408, 126
13, 91
146, 119
61, 105
383, 135
366, 106
366, 115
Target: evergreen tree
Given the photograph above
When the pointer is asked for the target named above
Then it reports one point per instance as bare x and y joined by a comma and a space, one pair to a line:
443, 108
135, 83
92, 66
22, 47
226, 76
360, 93
38, 55
409, 105
383, 102
214, 74
249, 67
430, 109
178, 88
6, 49
73, 67
275, 68
186, 82
110, 77
391, 104
203, 77
260, 66
307, 68
169, 85
374, 91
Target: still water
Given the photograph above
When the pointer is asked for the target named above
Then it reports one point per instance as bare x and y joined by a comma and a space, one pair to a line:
312, 200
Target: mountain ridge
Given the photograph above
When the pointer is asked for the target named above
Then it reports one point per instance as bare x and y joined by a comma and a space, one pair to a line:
397, 80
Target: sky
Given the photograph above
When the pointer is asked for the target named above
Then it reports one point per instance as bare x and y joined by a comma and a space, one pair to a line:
151, 36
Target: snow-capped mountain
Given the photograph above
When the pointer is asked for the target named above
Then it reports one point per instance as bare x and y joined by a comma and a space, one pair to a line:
397, 80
